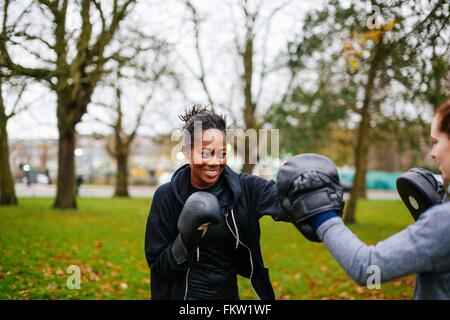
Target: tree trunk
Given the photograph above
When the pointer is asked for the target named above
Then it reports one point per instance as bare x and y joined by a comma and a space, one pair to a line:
247, 168
249, 156
7, 191
249, 104
122, 175
362, 145
65, 190
359, 185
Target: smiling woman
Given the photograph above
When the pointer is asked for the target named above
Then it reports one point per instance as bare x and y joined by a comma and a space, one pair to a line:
205, 146
196, 244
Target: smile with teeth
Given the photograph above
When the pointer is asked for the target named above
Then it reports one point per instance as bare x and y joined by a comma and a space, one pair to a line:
211, 172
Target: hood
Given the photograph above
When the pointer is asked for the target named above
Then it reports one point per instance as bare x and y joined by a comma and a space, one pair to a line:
182, 177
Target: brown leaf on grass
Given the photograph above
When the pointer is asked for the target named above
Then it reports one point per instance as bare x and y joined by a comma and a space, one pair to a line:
60, 272
106, 287
51, 286
47, 271
123, 285
333, 286
397, 283
360, 290
92, 276
24, 293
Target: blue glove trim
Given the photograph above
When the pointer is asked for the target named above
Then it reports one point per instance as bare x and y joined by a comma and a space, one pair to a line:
320, 218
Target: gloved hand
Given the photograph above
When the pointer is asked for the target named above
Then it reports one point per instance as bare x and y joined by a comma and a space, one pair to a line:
200, 210
419, 191
308, 185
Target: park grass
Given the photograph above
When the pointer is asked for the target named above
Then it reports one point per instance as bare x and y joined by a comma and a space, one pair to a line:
105, 238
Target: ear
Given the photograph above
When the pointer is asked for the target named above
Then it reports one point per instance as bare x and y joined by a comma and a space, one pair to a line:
186, 152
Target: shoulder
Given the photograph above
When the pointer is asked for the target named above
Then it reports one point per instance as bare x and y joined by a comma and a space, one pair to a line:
164, 192
163, 206
430, 234
163, 189
254, 181
439, 213
435, 220
440, 210
258, 187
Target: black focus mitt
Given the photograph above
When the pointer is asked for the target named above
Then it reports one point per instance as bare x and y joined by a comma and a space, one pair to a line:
419, 190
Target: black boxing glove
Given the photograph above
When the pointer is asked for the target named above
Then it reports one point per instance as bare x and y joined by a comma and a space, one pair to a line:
200, 210
308, 185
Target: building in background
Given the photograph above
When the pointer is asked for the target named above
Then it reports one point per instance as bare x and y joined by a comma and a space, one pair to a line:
37, 160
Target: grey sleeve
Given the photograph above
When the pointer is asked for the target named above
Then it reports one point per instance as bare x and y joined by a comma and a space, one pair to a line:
421, 247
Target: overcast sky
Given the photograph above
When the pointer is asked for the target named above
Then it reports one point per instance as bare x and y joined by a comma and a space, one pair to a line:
170, 20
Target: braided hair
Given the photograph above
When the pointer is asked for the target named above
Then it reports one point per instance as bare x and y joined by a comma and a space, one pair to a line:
207, 119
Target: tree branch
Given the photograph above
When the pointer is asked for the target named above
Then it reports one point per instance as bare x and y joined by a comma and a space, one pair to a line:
264, 69
14, 110
202, 76
98, 5
5, 58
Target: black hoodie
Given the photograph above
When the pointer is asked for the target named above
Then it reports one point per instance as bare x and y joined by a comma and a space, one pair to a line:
252, 198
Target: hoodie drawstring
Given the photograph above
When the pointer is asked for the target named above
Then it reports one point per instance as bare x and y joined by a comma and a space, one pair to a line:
235, 227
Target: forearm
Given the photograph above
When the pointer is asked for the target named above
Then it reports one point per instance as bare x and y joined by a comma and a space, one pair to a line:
395, 257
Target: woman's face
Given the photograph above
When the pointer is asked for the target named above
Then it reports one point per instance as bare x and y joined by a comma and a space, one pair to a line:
207, 158
441, 149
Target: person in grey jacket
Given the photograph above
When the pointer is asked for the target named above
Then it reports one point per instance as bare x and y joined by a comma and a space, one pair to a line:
309, 190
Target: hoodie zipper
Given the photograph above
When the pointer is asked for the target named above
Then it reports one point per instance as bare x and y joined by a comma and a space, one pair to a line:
236, 236
187, 274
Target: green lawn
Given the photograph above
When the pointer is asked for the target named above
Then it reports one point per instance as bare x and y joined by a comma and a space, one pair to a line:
105, 238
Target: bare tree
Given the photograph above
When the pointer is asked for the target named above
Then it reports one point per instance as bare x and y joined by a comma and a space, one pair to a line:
119, 149
77, 59
148, 72
7, 191
249, 89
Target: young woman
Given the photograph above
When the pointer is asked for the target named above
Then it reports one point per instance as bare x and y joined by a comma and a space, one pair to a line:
423, 248
228, 248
